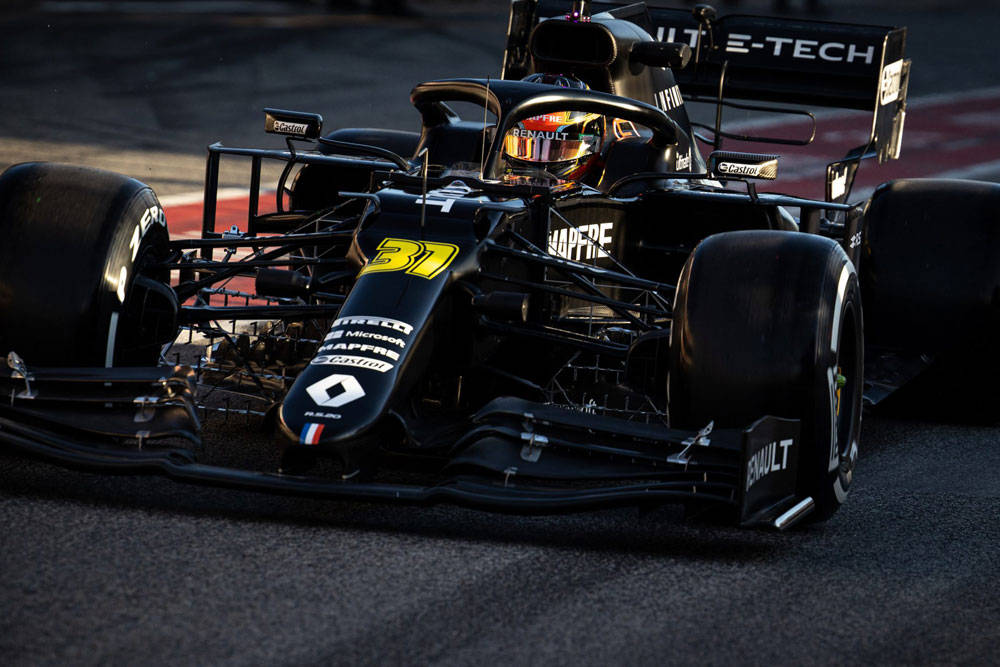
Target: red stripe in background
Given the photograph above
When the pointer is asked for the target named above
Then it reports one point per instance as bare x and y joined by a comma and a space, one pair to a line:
185, 219
941, 135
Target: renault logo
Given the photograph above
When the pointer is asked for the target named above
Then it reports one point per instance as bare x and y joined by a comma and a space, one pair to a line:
335, 391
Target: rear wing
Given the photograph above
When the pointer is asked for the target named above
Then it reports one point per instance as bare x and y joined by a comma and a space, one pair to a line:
766, 59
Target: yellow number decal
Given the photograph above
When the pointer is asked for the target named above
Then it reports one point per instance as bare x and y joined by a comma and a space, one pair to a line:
418, 258
435, 259
394, 255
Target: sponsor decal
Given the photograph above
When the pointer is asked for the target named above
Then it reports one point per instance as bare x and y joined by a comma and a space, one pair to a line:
778, 47
335, 391
371, 321
583, 242
353, 362
342, 346
855, 240
151, 216
669, 99
892, 76
445, 197
539, 134
361, 347
838, 186
687, 35
382, 338
546, 118
767, 460
424, 259
683, 161
321, 415
284, 127
311, 434
767, 169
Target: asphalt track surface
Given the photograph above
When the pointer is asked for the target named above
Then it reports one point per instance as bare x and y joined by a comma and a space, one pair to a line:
103, 570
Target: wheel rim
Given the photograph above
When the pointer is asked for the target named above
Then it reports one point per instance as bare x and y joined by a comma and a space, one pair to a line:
847, 403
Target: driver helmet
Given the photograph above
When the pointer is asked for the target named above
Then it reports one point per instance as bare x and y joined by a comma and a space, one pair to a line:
563, 143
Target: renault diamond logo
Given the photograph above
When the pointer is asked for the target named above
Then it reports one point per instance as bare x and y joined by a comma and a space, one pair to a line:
335, 391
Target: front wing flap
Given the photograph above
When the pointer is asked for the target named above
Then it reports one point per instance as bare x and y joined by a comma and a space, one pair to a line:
131, 403
516, 456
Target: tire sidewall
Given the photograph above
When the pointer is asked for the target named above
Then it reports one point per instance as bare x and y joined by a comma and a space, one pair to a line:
830, 456
73, 241
138, 236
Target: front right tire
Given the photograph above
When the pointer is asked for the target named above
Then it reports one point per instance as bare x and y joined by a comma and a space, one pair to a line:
770, 323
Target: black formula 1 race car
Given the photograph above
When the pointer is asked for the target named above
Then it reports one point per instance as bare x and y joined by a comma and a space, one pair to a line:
553, 305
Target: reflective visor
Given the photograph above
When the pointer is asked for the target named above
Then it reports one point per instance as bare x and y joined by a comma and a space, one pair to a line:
536, 148
554, 138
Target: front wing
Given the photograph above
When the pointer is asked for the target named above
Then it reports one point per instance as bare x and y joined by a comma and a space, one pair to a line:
513, 455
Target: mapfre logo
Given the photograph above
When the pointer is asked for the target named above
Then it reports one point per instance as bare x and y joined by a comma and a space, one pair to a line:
583, 242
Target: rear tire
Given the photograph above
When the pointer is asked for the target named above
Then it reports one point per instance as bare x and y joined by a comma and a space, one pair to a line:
930, 276
76, 287
764, 324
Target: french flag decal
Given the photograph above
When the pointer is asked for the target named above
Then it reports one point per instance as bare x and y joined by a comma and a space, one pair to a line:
311, 434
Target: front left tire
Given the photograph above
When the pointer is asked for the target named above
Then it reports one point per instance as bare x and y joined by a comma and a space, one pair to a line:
79, 282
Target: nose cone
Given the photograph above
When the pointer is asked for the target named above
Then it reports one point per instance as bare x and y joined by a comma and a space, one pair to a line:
358, 374
328, 394
366, 364
330, 417
328, 404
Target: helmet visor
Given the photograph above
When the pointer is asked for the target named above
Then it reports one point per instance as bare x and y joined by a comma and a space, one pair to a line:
554, 138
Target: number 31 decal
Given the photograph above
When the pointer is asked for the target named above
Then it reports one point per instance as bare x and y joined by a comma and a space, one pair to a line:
418, 258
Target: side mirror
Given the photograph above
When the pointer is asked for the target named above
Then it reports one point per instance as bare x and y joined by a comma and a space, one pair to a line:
297, 124
674, 55
723, 164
